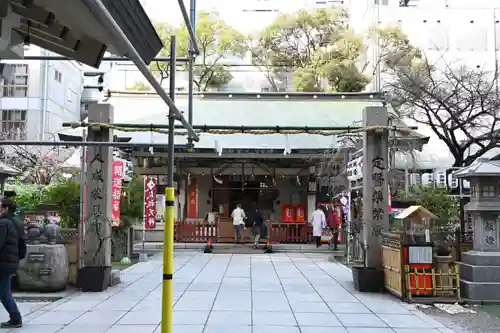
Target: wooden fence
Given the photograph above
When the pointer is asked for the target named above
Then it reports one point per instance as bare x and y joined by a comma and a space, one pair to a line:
195, 232
438, 282
277, 233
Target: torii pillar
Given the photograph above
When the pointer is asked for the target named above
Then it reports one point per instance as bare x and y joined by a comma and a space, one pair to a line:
96, 272
375, 184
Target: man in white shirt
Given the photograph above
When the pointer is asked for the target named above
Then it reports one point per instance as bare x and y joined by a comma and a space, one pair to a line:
238, 216
318, 222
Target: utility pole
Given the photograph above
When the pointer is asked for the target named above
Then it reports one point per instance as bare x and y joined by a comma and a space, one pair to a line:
192, 20
168, 233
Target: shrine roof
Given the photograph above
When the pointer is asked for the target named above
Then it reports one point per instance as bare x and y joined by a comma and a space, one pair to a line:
246, 109
482, 167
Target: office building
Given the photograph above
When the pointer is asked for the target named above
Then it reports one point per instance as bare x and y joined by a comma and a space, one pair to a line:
41, 95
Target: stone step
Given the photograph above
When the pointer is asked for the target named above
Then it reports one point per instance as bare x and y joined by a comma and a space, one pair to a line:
154, 247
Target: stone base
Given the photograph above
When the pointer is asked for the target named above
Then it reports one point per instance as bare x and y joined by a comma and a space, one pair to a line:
115, 277
44, 269
479, 276
366, 279
143, 257
94, 279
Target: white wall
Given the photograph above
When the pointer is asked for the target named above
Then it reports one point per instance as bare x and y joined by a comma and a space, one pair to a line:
458, 32
63, 98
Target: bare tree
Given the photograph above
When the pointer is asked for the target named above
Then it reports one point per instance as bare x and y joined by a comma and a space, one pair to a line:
458, 103
38, 165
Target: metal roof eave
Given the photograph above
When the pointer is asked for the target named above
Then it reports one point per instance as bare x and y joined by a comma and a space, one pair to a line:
62, 25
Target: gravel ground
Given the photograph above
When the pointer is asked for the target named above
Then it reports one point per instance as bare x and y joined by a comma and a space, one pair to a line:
485, 320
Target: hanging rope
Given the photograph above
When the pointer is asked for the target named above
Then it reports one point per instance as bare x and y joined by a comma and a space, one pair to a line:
402, 130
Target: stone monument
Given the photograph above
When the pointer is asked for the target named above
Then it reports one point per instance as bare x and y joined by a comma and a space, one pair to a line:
96, 272
375, 186
480, 267
370, 276
46, 266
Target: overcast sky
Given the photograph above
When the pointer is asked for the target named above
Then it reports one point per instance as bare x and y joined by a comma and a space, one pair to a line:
239, 14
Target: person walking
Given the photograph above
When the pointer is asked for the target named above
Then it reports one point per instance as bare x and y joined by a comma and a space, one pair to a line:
257, 224
318, 222
12, 250
238, 216
334, 224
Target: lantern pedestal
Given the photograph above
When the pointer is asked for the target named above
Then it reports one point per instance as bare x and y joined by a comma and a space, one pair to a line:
479, 272
480, 268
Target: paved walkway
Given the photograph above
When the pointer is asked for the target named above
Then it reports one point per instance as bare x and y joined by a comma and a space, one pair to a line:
277, 293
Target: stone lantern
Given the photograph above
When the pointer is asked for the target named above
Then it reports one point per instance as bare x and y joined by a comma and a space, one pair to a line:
480, 267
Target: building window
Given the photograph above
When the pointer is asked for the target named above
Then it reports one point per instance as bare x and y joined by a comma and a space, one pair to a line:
14, 124
57, 76
18, 87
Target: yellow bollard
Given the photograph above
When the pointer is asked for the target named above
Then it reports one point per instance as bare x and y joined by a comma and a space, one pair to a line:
167, 299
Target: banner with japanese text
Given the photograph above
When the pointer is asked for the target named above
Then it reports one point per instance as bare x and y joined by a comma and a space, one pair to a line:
149, 202
192, 207
116, 192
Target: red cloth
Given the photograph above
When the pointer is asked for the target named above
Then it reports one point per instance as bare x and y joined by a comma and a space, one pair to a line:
333, 219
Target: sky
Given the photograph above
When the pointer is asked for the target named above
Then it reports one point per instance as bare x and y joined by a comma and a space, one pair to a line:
233, 12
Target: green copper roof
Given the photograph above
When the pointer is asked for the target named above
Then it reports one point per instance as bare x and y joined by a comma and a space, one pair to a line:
245, 112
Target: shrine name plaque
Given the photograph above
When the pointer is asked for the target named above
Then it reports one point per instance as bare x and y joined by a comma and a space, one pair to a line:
35, 257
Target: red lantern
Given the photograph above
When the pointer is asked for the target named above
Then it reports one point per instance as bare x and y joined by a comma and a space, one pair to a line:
300, 215
287, 213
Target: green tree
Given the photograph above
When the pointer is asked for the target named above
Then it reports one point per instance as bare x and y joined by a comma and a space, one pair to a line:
132, 201
28, 197
216, 40
66, 196
437, 200
315, 46
161, 69
322, 53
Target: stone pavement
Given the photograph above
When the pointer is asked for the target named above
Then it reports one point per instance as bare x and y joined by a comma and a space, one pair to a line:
277, 293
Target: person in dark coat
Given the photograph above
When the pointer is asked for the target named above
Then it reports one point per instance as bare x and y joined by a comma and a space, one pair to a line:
257, 218
10, 232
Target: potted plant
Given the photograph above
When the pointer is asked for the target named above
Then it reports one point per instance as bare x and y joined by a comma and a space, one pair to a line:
95, 275
365, 279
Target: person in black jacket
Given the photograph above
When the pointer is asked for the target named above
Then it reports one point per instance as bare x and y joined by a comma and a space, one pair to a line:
257, 223
10, 232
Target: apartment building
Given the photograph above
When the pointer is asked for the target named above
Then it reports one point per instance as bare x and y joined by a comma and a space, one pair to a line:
42, 95
454, 30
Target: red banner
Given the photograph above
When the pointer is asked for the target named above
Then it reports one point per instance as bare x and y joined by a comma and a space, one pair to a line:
192, 208
84, 201
149, 202
116, 192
